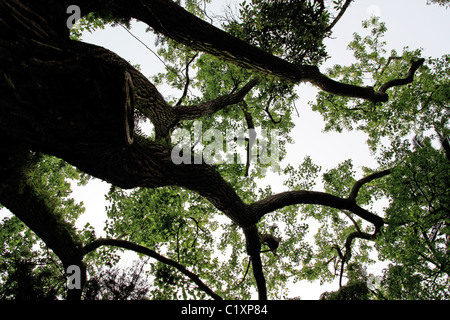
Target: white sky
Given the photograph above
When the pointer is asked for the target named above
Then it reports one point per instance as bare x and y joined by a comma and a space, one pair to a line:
410, 23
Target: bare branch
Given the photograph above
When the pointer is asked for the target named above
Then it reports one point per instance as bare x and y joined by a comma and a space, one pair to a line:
143, 250
340, 14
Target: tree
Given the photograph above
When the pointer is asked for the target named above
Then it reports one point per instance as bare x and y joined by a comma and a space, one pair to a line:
83, 105
414, 127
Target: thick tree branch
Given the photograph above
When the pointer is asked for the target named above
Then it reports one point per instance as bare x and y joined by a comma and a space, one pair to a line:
143, 250
67, 99
358, 184
254, 251
400, 82
173, 21
203, 109
280, 200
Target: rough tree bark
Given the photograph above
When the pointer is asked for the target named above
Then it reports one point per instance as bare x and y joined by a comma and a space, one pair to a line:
76, 101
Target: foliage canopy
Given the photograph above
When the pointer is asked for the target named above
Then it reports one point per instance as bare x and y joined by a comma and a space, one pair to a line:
190, 235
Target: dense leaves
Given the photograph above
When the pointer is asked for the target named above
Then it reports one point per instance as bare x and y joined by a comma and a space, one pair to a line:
27, 273
293, 30
409, 133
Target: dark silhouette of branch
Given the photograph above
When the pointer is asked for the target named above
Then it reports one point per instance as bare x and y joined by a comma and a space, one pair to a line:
358, 184
271, 117
252, 135
388, 62
280, 200
340, 14
173, 21
188, 80
346, 256
400, 82
36, 209
254, 251
445, 142
198, 225
245, 274
143, 250
446, 146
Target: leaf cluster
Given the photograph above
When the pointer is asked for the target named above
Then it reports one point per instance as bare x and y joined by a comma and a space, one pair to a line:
293, 30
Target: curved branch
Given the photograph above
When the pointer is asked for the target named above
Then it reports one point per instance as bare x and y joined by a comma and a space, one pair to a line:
245, 274
203, 109
143, 250
340, 14
345, 258
358, 184
280, 200
409, 78
188, 80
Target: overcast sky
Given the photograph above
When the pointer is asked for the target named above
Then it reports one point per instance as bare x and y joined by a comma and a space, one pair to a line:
410, 23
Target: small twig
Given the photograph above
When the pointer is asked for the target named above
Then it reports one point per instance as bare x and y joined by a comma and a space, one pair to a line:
188, 80
148, 48
198, 225
252, 135
270, 116
245, 274
389, 61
